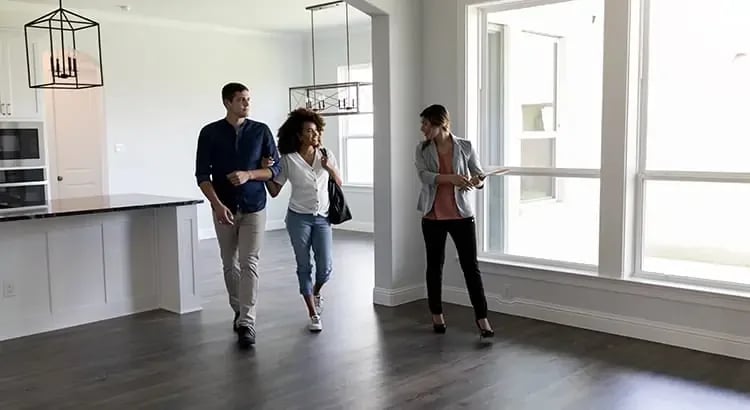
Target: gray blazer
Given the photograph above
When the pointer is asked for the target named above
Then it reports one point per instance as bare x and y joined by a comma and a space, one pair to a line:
465, 162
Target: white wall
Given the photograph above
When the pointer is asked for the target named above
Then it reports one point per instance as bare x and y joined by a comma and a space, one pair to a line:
697, 318
157, 107
163, 83
330, 53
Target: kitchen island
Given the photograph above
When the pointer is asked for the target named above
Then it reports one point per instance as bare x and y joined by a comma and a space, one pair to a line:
81, 260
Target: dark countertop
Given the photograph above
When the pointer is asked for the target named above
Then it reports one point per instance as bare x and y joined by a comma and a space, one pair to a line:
94, 205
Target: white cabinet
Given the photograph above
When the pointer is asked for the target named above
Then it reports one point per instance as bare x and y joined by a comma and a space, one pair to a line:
17, 100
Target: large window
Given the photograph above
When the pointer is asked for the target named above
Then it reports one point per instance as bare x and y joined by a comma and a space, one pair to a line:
356, 131
694, 162
657, 123
543, 120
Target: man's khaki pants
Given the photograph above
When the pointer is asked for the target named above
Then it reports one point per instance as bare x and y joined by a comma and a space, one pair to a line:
240, 245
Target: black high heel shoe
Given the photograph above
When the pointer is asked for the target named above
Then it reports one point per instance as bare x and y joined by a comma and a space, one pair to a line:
484, 333
439, 328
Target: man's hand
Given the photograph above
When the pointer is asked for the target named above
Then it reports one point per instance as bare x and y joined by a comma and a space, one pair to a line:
238, 178
223, 214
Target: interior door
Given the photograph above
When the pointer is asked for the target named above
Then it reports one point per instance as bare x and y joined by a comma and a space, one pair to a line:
78, 141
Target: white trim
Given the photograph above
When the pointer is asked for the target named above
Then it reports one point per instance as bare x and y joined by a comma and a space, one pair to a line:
506, 5
695, 176
555, 172
682, 336
668, 291
356, 226
537, 263
690, 281
400, 296
640, 192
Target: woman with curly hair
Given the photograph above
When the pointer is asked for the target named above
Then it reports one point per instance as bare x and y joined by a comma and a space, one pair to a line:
307, 167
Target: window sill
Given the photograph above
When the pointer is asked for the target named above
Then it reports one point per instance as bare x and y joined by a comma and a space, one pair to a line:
686, 283
671, 290
500, 262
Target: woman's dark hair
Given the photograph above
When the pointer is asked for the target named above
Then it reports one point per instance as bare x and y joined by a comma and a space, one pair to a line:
290, 130
438, 116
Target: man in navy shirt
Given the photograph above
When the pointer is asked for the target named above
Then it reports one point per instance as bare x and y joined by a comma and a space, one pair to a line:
229, 170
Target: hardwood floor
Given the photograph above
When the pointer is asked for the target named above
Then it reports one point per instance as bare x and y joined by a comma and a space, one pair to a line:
366, 358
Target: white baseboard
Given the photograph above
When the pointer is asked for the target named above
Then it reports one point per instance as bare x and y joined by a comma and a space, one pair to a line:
210, 233
395, 297
356, 226
680, 336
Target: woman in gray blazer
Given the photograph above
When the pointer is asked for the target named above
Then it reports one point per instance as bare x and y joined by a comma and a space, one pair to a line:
449, 169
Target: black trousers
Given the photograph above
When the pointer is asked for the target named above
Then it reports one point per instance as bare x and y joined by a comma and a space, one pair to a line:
463, 233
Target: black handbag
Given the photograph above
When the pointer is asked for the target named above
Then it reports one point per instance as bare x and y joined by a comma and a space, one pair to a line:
338, 210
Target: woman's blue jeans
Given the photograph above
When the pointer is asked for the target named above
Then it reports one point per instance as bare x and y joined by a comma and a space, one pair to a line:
311, 232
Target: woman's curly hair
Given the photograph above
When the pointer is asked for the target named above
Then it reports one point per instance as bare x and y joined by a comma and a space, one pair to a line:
290, 130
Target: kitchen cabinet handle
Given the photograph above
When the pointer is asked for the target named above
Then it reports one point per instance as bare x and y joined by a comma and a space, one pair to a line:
2, 109
7, 109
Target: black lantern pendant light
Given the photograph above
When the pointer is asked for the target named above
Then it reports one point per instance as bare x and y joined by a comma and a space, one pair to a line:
333, 99
66, 31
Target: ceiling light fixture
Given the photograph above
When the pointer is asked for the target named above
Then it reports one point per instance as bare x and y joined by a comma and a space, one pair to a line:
64, 28
334, 98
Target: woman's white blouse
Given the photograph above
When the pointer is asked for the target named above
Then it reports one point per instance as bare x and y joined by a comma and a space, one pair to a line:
309, 183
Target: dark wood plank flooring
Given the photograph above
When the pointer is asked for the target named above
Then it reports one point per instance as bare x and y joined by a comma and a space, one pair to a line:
366, 358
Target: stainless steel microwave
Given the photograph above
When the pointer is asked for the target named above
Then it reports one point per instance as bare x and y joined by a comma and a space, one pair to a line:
22, 144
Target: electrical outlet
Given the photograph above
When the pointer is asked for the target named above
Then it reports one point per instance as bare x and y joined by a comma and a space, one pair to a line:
9, 289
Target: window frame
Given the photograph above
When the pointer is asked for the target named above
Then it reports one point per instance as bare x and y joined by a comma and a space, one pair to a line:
486, 118
558, 48
344, 134
643, 174
622, 172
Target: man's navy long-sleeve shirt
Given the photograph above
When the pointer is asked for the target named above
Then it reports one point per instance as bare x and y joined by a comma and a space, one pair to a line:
222, 150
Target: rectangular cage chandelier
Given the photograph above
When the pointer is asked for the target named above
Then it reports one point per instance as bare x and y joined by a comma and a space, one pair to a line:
66, 67
331, 99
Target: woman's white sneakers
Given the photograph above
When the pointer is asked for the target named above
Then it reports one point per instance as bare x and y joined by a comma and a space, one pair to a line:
316, 325
318, 304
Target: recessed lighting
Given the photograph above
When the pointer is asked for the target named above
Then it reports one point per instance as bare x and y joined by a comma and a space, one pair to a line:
124, 7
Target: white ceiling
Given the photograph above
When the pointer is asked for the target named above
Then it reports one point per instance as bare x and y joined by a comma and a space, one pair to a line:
264, 15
